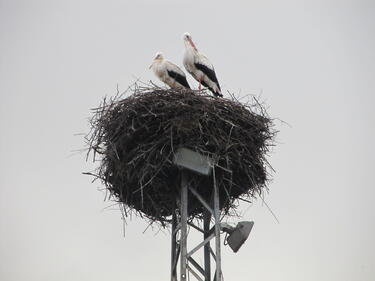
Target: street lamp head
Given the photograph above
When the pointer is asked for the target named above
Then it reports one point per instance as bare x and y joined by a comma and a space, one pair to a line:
238, 235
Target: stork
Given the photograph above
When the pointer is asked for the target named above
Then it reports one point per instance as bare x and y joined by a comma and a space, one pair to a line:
168, 72
200, 67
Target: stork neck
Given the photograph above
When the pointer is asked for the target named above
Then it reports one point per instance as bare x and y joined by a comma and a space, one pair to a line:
189, 47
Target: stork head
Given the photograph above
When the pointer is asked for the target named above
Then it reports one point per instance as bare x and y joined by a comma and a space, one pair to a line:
188, 41
187, 36
158, 58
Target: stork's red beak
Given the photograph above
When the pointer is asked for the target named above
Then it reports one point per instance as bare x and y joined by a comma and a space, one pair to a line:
192, 43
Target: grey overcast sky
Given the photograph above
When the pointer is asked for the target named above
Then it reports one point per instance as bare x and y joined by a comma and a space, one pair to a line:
312, 62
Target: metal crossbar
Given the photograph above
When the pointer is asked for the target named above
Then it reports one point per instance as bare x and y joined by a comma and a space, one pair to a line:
200, 198
200, 245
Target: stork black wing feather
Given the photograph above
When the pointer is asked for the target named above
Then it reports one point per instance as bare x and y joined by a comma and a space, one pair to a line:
209, 72
179, 78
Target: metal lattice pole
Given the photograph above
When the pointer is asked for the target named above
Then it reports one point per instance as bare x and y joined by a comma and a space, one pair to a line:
217, 229
179, 246
200, 164
183, 222
174, 248
207, 248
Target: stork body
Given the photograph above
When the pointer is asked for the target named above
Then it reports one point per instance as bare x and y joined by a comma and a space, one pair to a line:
169, 73
200, 67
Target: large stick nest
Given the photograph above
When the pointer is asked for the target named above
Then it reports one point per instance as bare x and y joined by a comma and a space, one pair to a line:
136, 138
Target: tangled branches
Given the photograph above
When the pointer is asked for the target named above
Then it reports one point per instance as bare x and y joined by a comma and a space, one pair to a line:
136, 137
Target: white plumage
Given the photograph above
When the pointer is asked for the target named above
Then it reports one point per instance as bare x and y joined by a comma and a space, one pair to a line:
200, 67
168, 72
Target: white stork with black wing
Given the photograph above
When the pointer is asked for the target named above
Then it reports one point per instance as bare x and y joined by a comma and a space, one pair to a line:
169, 73
200, 67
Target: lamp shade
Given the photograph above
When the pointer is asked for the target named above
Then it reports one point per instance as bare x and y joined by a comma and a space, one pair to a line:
239, 235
